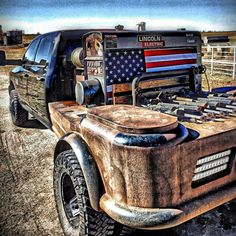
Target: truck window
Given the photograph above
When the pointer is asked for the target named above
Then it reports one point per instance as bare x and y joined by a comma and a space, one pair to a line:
44, 51
30, 53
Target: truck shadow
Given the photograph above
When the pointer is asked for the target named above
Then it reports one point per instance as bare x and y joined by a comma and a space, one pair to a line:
34, 123
168, 232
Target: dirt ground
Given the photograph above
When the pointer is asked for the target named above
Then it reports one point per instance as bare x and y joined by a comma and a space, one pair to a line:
217, 80
26, 186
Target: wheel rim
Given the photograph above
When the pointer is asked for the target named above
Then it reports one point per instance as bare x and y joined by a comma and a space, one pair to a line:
69, 200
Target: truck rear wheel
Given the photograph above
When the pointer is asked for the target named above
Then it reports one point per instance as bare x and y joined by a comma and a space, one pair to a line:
75, 213
18, 114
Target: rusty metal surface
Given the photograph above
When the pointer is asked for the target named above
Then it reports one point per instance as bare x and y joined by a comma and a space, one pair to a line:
213, 128
66, 116
157, 218
150, 177
133, 119
136, 217
153, 177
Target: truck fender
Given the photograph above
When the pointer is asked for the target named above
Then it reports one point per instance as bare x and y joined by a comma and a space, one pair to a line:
12, 85
88, 166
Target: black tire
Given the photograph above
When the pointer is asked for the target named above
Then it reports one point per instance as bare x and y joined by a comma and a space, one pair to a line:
126, 231
71, 193
18, 114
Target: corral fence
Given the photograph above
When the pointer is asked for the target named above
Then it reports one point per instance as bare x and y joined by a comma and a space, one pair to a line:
220, 59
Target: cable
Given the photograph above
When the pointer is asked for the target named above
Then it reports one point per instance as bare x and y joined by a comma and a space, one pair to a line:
208, 83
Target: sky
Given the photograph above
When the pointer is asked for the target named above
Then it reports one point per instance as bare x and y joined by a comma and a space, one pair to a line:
42, 16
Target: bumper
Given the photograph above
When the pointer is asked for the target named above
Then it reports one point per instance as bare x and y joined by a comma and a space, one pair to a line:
157, 218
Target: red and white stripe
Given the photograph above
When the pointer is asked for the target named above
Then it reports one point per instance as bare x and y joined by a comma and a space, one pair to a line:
109, 92
169, 59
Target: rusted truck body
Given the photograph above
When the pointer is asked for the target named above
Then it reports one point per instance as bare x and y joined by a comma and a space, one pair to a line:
154, 149
152, 187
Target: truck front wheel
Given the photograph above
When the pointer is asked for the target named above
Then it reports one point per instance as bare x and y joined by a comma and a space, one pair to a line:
75, 213
18, 114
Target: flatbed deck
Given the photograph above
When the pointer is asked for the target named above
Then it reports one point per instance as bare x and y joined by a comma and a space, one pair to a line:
66, 117
215, 137
168, 187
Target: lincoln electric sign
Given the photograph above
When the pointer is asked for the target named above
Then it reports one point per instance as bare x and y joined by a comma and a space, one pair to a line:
150, 40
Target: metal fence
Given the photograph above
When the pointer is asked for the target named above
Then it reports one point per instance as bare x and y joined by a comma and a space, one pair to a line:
220, 59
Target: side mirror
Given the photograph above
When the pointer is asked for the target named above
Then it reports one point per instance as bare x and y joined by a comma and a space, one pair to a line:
2, 58
43, 62
4, 62
24, 60
46, 65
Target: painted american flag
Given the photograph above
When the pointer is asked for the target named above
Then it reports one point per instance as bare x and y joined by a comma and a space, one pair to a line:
124, 66
169, 59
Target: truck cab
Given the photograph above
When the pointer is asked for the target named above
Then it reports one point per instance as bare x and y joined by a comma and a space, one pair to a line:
46, 73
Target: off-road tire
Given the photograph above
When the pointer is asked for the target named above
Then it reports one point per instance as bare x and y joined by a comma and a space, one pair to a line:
88, 222
18, 114
126, 231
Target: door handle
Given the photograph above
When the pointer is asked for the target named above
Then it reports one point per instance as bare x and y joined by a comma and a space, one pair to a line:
40, 78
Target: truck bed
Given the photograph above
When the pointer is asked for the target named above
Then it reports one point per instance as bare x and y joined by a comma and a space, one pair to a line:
215, 138
158, 177
66, 117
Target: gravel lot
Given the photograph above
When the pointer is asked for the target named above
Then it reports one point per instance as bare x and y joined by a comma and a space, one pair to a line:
26, 194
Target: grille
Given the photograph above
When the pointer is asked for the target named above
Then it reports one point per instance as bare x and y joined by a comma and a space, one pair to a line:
211, 167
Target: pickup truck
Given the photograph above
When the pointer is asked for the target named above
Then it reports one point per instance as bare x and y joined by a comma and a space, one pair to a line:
140, 143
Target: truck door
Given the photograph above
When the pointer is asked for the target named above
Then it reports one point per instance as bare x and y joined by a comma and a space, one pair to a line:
41, 69
22, 73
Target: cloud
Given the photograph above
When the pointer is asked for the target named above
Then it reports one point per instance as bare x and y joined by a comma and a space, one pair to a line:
43, 26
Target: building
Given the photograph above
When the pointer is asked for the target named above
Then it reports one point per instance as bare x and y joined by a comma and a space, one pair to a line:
219, 37
14, 37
